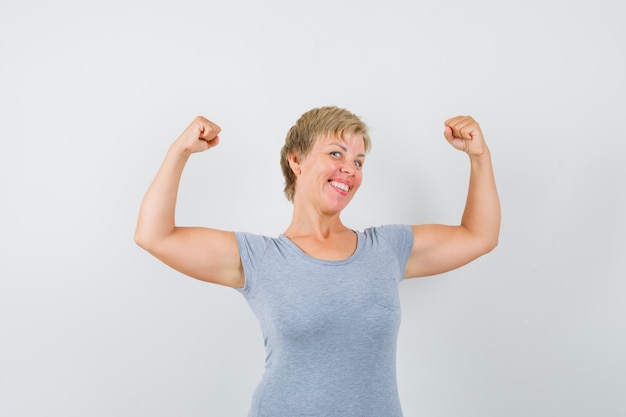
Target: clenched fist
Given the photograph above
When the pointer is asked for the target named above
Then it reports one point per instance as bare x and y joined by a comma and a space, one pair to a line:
463, 132
199, 136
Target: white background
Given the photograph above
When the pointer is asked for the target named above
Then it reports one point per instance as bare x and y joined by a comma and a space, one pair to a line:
91, 96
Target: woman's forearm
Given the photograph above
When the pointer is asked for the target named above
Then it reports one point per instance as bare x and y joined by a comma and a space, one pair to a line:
482, 209
157, 212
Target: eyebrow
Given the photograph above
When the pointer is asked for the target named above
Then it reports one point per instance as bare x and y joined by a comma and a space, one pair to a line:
361, 155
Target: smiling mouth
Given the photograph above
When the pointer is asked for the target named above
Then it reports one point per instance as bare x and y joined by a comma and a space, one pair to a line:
342, 187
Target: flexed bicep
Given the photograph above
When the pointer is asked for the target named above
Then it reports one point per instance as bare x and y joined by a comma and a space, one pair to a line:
440, 248
209, 255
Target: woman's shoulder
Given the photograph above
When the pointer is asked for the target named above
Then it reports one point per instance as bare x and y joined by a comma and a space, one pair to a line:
254, 240
398, 237
388, 230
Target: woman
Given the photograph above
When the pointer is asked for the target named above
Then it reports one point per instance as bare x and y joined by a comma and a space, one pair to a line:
326, 296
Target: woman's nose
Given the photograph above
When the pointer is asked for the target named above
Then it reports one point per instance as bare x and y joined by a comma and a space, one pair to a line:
348, 167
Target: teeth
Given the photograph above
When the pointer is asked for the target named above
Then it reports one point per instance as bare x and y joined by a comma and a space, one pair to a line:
339, 185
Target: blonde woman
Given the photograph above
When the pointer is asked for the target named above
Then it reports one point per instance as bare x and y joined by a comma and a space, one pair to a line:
326, 296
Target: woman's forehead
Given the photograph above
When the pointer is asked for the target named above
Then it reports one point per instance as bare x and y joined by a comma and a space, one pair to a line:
346, 138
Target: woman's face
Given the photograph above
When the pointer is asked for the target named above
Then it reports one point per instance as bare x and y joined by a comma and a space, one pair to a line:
331, 173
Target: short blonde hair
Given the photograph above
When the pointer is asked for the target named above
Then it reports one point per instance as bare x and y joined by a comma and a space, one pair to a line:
312, 125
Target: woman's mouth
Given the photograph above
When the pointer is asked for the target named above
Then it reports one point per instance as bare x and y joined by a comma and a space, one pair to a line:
340, 186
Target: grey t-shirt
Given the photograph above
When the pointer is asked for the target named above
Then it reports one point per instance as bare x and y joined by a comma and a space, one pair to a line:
329, 327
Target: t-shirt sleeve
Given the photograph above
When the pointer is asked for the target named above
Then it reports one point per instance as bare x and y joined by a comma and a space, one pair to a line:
251, 250
400, 238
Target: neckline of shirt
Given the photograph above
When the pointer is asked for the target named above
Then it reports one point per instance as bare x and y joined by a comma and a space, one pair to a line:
359, 244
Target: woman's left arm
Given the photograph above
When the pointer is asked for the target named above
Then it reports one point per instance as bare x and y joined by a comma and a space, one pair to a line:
440, 248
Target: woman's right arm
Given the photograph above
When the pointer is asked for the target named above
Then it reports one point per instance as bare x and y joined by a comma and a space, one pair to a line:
207, 254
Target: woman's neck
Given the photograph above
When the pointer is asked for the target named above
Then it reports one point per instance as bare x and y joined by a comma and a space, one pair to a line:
310, 222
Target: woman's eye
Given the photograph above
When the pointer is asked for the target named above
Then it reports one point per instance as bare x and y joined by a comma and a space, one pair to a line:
358, 164
336, 154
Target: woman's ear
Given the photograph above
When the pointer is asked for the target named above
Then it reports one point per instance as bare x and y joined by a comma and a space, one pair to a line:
294, 163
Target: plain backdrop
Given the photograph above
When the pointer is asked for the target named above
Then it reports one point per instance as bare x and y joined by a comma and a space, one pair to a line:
93, 93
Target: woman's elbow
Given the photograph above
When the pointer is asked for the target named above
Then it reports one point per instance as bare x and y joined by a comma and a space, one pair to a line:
139, 240
489, 245
143, 240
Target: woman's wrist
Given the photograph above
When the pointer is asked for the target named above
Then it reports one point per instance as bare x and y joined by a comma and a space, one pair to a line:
481, 158
179, 150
